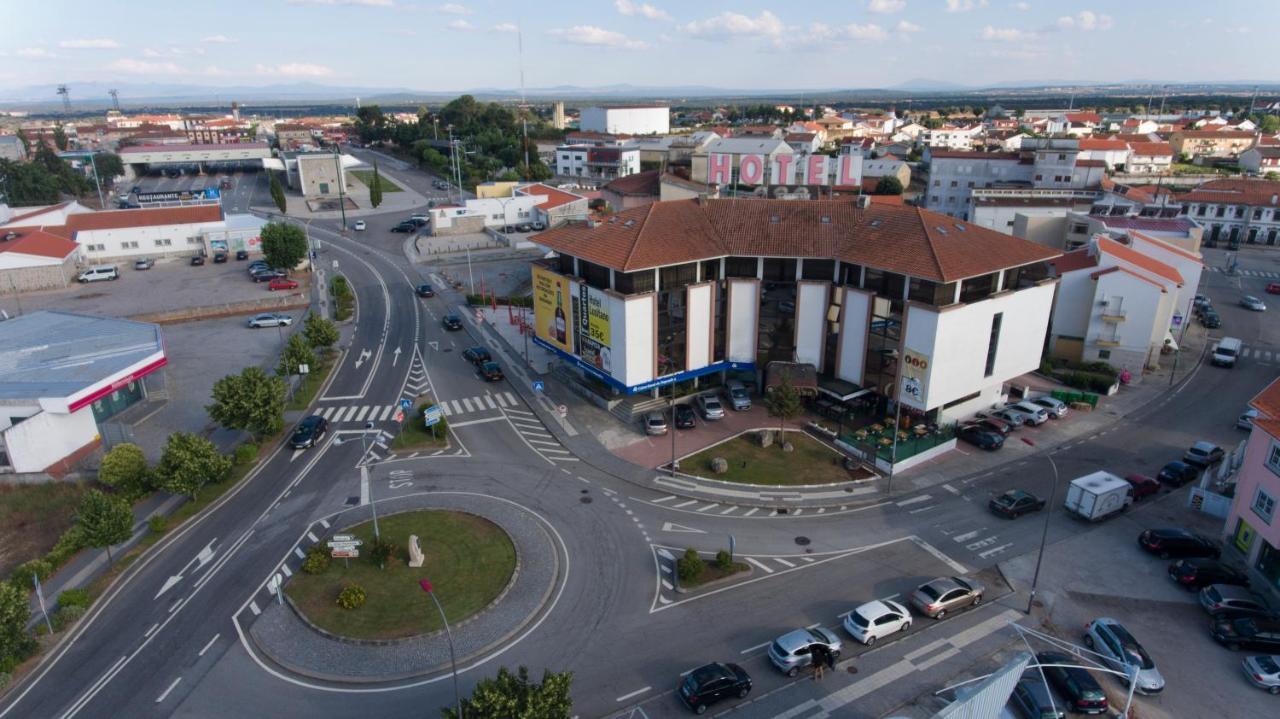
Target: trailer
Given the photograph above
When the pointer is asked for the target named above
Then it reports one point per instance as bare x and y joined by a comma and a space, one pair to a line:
1098, 495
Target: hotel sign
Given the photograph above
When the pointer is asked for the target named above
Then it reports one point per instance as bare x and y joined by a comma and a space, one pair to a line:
784, 169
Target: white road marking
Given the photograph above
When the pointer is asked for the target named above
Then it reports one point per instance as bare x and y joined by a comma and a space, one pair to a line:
937, 553
253, 607
206, 647
517, 411
312, 537
667, 585
285, 568
152, 629
709, 506
922, 509
635, 693
685, 504
489, 401
730, 510
324, 523
984, 542
914, 500
751, 511
665, 554
755, 648
951, 489
476, 421
466, 402
783, 562
667, 498
967, 535
165, 693
759, 564
298, 551
512, 399
680, 528
994, 551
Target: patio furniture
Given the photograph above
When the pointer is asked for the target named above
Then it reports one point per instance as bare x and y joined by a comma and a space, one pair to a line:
877, 427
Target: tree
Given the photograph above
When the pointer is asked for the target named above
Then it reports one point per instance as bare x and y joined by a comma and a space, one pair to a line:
297, 352
59, 137
277, 193
889, 185
320, 332
375, 189
514, 695
109, 165
783, 402
189, 463
16, 643
104, 520
252, 401
124, 469
283, 245
1271, 176
1269, 125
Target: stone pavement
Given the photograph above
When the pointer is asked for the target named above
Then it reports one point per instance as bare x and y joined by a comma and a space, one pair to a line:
291, 642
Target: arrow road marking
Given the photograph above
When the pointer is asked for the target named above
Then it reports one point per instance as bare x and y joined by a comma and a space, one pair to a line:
296, 453
434, 345
395, 357
199, 560
680, 528
364, 355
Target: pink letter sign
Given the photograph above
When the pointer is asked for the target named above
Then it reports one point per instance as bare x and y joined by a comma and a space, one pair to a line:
719, 169
850, 170
816, 170
751, 169
784, 170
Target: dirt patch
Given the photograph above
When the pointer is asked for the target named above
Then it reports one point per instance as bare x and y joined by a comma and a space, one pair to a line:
32, 517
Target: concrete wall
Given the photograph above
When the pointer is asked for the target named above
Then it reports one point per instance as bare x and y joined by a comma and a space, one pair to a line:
1144, 306
316, 170
854, 316
48, 274
1046, 230
133, 242
811, 320
637, 340
626, 120
45, 438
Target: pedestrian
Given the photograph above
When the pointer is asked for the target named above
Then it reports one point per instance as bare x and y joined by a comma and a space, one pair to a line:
818, 659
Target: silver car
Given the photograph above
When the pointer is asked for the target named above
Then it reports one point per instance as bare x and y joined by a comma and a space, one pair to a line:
1263, 671
270, 319
655, 423
710, 406
1123, 653
946, 594
1035, 414
792, 651
1249, 302
1057, 408
738, 397
1006, 415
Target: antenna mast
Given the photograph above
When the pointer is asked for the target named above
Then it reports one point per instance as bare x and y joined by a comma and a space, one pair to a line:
524, 106
66, 98
115, 98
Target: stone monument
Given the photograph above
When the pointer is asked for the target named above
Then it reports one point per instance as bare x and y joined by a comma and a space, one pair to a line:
415, 553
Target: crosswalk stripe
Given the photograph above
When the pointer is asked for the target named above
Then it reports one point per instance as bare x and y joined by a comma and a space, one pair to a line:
343, 414
1244, 352
557, 451
324, 412
511, 398
444, 407
759, 564
457, 407
518, 411
783, 562
732, 508
489, 401
501, 401
380, 413
544, 442
466, 402
364, 409
563, 459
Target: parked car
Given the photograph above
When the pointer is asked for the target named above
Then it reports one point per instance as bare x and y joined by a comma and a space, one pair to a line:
1056, 408
1210, 319
425, 291
451, 323
685, 417
1035, 414
270, 319
282, 283
508, 229
358, 226
1249, 302
1200, 302
491, 372
1172, 543
219, 258
242, 255
998, 426
144, 264
1177, 473
655, 424
1203, 453
876, 619
710, 407
936, 598
1074, 683
197, 260
1273, 288
981, 437
1248, 633
1246, 420
1121, 652
1199, 573
309, 431
404, 227
1143, 486
136, 189
1229, 600
1263, 671
476, 355
737, 394
1034, 699
1009, 417
538, 226
792, 651
268, 275
1015, 503
710, 683
98, 273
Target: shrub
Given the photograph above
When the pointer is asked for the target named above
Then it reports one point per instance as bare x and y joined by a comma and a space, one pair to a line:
690, 566
1046, 367
66, 616
352, 596
5, 678
23, 573
68, 544
380, 551
158, 523
246, 453
73, 598
317, 561
724, 562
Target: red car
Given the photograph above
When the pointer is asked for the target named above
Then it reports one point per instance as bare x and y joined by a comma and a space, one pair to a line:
282, 283
1273, 288
1143, 486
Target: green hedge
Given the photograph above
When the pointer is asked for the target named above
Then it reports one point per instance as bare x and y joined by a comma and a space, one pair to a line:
344, 298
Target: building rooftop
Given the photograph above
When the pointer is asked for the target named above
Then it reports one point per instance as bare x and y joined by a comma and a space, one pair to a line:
971, 155
1151, 149
641, 184
1238, 192
1147, 224
28, 241
57, 354
194, 147
1268, 403
1092, 144
746, 146
1137, 259
902, 239
1080, 259
555, 197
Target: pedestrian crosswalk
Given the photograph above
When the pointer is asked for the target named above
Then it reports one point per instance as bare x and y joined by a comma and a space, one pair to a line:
338, 414
357, 413
478, 403
1260, 355
1263, 274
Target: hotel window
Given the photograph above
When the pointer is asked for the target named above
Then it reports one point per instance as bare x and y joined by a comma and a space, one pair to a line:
193, 240
977, 288
633, 283
564, 264
818, 269
741, 267
1273, 458
993, 344
1264, 505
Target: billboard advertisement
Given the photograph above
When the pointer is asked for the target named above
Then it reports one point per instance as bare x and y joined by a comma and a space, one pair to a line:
552, 312
594, 338
915, 376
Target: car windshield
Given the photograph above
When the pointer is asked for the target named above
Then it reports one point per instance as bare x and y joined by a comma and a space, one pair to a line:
737, 393
1267, 664
1213, 595
817, 636
860, 620
929, 591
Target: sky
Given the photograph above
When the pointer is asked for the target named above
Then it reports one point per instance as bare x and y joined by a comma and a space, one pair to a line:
738, 44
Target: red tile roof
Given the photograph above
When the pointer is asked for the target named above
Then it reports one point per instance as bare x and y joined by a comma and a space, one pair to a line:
31, 241
1137, 259
1075, 260
642, 183
1151, 149
1167, 246
1268, 402
1237, 192
555, 197
116, 219
40, 211
1084, 117
1127, 271
1092, 144
902, 239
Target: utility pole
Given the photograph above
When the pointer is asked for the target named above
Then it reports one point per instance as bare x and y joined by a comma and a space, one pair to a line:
342, 202
97, 180
524, 106
115, 99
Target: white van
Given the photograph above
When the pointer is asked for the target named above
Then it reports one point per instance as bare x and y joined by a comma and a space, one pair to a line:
99, 272
1225, 352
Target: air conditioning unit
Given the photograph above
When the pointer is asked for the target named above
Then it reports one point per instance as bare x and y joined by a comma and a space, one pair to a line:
864, 201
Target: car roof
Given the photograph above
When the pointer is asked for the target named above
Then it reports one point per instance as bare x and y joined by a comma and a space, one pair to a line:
1171, 532
1016, 494
1204, 445
311, 420
797, 638
1231, 591
878, 608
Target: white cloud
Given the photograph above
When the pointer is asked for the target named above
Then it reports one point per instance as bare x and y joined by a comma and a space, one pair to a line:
33, 53
964, 5
506, 27
97, 43
643, 9
294, 69
597, 37
852, 31
1004, 34
907, 27
454, 9
766, 24
886, 6
367, 3
218, 39
213, 71
1239, 30
141, 67
462, 25
1022, 6
1085, 20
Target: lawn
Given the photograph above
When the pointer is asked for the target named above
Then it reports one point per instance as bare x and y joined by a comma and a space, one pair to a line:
33, 517
414, 434
810, 463
366, 176
311, 383
469, 560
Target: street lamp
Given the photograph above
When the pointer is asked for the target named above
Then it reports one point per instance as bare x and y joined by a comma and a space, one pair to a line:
1044, 535
364, 476
453, 660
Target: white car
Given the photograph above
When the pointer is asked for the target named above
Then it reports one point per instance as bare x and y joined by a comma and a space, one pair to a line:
1057, 408
358, 226
1035, 414
270, 319
876, 619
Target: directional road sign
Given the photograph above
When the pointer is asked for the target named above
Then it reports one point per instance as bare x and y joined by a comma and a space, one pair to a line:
337, 553
432, 416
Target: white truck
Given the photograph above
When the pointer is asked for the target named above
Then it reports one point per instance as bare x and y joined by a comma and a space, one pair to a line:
1098, 496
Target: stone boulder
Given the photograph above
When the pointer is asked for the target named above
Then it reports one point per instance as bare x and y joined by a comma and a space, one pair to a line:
766, 437
719, 465
788, 447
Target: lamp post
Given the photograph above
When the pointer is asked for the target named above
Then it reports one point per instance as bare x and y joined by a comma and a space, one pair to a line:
342, 202
457, 695
1044, 535
364, 476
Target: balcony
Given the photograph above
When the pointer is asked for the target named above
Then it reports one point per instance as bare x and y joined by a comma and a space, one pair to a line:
1112, 314
1101, 341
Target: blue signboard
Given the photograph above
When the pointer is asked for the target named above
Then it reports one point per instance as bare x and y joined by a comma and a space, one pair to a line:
644, 386
432, 416
405, 404
212, 193
539, 385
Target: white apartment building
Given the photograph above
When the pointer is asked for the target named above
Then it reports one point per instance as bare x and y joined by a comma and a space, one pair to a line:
524, 204
1040, 164
599, 163
1149, 158
1110, 152
951, 137
1236, 212
626, 119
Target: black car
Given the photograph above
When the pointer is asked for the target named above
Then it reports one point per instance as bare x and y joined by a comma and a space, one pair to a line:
404, 227
1015, 503
508, 229
136, 189
1178, 543
1033, 699
981, 437
524, 227
1257, 633
197, 260
425, 291
1075, 684
1210, 319
685, 417
1177, 474
242, 255
476, 355
491, 372
1199, 573
708, 684
308, 432
268, 275
219, 257
451, 322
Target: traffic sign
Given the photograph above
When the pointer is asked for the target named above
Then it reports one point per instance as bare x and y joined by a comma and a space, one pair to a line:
432, 416
337, 553
405, 404
343, 537
539, 386
399, 415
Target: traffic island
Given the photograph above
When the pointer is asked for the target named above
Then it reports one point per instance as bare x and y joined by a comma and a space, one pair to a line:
749, 459
697, 573
469, 559
416, 435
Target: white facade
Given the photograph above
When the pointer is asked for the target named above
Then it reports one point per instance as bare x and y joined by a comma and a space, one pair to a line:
98, 246
952, 138
496, 211
629, 120
1141, 163
1188, 264
1041, 164
593, 162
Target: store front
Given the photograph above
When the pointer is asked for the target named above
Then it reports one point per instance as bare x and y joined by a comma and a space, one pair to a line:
118, 400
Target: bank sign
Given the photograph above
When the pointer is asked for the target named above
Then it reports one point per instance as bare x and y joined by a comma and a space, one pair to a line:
784, 169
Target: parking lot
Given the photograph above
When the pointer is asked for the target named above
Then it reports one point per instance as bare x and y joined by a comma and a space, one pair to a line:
249, 186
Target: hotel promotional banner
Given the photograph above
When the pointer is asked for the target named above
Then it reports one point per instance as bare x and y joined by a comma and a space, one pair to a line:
552, 312
594, 340
915, 376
